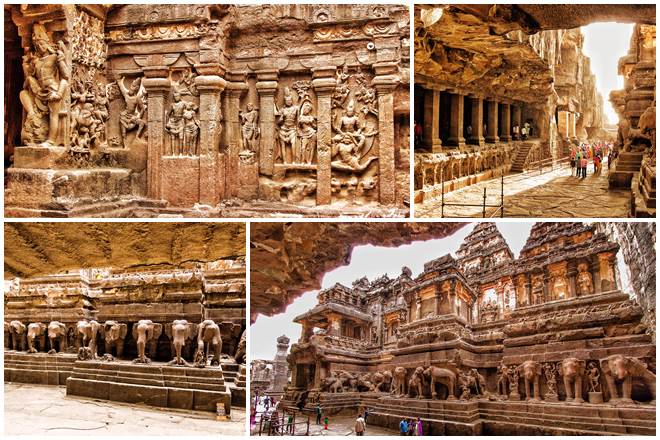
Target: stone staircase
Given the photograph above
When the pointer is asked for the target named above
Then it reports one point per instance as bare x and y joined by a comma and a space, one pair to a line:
521, 157
152, 384
38, 368
626, 165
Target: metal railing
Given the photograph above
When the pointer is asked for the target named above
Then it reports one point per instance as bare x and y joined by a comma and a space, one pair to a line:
282, 424
483, 205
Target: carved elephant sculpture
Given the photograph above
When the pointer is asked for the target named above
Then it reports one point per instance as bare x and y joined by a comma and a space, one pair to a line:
18, 335
416, 383
88, 331
36, 333
572, 371
333, 384
57, 336
365, 383
383, 381
531, 372
619, 368
209, 340
114, 334
241, 349
180, 332
146, 334
444, 376
399, 387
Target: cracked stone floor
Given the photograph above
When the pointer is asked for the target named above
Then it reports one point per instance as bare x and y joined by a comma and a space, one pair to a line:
42, 410
551, 194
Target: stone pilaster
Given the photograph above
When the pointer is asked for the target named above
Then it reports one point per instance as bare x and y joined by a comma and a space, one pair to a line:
456, 121
491, 126
236, 87
324, 84
506, 123
477, 110
385, 82
211, 173
157, 86
516, 116
267, 87
431, 125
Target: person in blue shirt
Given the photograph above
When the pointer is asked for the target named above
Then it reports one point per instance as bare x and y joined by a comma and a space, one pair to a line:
403, 427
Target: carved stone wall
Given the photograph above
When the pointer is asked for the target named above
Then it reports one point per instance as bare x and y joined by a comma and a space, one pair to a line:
191, 105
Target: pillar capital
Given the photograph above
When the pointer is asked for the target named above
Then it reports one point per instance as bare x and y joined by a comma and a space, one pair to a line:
156, 85
210, 69
156, 71
267, 75
210, 83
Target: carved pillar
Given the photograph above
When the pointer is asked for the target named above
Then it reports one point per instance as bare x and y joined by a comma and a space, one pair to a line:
267, 87
491, 134
385, 81
431, 126
211, 173
506, 123
477, 107
235, 89
516, 117
606, 270
456, 121
158, 87
572, 120
562, 124
324, 84
334, 324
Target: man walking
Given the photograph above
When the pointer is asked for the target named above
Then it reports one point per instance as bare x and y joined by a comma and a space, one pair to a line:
318, 413
403, 427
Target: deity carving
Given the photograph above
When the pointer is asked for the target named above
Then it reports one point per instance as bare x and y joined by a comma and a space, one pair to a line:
89, 113
47, 86
131, 117
287, 120
307, 132
503, 379
250, 128
175, 124
559, 284
537, 289
550, 373
584, 280
190, 130
593, 374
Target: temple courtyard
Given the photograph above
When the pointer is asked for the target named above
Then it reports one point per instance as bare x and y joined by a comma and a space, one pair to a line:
535, 193
51, 412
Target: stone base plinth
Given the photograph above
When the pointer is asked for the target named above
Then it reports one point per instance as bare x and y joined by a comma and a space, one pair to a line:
52, 193
595, 397
180, 180
41, 158
487, 417
154, 384
248, 176
38, 368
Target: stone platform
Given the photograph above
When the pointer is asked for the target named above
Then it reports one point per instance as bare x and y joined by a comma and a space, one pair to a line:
38, 368
494, 417
155, 384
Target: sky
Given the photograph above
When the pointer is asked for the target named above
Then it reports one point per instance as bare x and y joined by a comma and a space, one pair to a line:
372, 262
605, 43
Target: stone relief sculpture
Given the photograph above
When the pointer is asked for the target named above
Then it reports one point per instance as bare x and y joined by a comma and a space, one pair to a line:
239, 357
550, 372
416, 383
36, 337
514, 372
131, 117
175, 124
88, 332
146, 334
307, 132
531, 372
572, 371
46, 78
57, 336
18, 335
250, 128
443, 376
399, 382
619, 368
502, 379
584, 280
287, 120
209, 341
180, 332
114, 334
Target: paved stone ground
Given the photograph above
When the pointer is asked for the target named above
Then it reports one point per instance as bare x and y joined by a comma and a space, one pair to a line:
42, 410
552, 194
338, 425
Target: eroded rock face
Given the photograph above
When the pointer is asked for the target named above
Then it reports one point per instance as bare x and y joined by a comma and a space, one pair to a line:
33, 249
288, 259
